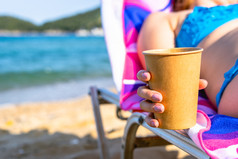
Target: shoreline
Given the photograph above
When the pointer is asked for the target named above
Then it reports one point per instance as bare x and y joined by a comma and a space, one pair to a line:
52, 32
53, 92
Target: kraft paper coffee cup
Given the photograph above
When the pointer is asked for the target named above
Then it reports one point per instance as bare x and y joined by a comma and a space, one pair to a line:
175, 74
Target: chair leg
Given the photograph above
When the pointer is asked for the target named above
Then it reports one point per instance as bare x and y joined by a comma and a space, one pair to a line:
102, 144
130, 141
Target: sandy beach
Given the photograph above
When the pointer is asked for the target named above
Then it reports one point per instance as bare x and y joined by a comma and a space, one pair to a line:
65, 130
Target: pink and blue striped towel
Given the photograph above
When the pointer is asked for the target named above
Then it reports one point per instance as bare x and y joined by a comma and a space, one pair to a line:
215, 134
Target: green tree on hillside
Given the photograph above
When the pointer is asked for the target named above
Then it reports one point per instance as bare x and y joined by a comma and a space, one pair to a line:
12, 23
86, 20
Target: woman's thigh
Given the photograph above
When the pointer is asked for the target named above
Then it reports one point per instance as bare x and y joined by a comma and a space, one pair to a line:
229, 100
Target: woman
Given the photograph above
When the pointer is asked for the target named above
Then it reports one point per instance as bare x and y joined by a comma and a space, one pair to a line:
215, 29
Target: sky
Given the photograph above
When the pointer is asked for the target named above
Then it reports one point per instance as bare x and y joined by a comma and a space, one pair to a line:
40, 11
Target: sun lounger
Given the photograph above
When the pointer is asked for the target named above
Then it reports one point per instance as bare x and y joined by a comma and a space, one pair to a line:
129, 139
214, 135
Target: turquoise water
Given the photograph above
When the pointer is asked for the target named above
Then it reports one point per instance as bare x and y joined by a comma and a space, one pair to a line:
40, 60
37, 61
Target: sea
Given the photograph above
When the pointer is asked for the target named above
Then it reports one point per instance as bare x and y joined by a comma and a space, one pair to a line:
48, 68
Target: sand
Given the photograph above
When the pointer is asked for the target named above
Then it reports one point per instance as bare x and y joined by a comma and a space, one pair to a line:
65, 130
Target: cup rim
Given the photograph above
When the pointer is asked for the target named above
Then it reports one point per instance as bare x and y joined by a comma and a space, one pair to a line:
184, 50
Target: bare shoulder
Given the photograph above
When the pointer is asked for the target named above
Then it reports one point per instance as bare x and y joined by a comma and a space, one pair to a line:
174, 19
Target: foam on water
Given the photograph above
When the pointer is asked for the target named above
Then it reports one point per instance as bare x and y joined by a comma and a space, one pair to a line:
54, 92
40, 68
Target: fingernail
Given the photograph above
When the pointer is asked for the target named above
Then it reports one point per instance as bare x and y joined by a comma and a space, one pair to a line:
153, 124
144, 76
157, 97
159, 109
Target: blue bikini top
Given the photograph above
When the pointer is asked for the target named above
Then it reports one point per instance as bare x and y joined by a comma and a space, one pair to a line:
202, 21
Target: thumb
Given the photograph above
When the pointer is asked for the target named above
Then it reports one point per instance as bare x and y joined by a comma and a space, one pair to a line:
202, 84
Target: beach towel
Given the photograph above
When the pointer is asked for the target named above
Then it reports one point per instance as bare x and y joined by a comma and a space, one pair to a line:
134, 13
215, 134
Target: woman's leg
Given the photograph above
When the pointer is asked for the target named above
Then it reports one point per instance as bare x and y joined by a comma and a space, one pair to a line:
229, 100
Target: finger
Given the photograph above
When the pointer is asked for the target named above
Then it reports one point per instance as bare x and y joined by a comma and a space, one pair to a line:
149, 94
222, 2
143, 76
151, 121
151, 107
202, 84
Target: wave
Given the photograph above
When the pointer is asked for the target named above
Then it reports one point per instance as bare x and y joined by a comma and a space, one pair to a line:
53, 92
42, 60
13, 80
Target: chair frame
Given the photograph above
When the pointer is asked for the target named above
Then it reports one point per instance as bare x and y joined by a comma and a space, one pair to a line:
129, 140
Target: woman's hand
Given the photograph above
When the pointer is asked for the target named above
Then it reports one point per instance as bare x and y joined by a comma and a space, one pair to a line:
153, 99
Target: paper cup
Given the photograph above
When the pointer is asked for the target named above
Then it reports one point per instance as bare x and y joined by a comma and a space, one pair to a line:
175, 74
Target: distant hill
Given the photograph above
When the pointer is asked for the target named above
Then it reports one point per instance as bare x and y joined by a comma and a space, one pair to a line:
86, 20
12, 23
